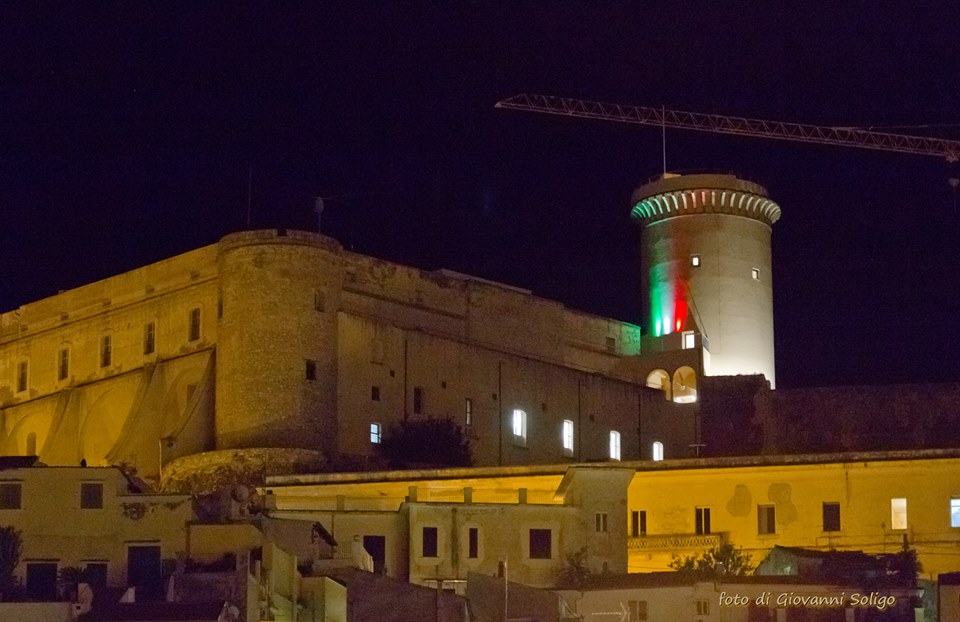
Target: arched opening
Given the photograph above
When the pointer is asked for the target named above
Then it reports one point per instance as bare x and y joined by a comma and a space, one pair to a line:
685, 385
659, 379
657, 451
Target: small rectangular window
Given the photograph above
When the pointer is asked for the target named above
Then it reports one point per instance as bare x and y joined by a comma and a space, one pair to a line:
898, 513
755, 274
42, 581
468, 410
638, 523
63, 364
695, 261
955, 512
473, 543
637, 610
702, 520
375, 393
703, 607
541, 544
600, 522
22, 372
375, 433
519, 426
831, 517
91, 496
149, 338
11, 495
656, 451
311, 370
96, 574
194, 333
429, 542
614, 445
417, 400
689, 340
611, 344
766, 519
106, 351
568, 436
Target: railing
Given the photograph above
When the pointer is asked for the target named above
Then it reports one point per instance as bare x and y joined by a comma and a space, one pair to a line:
675, 542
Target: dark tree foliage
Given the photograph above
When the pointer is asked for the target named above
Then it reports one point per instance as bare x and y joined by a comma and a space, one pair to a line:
11, 543
419, 443
576, 570
723, 561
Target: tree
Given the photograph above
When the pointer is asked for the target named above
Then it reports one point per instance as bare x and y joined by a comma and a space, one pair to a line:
418, 443
722, 561
576, 570
11, 546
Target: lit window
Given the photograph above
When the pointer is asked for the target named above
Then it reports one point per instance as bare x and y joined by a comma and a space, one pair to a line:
519, 423
614, 445
766, 519
831, 516
375, 433
468, 410
311, 370
657, 451
149, 338
22, 371
898, 513
106, 351
955, 512
568, 436
689, 340
601, 522
11, 494
91, 496
541, 544
695, 261
63, 364
755, 274
702, 521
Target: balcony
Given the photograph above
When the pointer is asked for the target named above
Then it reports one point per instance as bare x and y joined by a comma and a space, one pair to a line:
675, 542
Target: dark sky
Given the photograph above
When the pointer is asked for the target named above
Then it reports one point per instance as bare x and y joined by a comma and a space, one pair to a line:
128, 131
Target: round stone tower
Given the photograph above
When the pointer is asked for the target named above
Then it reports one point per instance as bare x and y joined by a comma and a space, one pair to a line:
276, 378
706, 266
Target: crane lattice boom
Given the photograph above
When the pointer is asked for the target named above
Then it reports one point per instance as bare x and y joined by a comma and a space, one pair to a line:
779, 130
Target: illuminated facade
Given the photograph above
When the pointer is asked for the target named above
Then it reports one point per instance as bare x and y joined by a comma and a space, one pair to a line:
706, 268
282, 339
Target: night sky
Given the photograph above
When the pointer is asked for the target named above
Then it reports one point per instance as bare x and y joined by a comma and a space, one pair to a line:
129, 133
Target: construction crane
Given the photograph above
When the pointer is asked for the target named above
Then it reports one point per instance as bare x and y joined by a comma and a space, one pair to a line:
778, 130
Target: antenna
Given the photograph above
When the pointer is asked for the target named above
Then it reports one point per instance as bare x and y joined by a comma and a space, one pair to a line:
318, 210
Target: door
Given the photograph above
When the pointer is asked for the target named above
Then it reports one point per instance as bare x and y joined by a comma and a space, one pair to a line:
376, 546
144, 571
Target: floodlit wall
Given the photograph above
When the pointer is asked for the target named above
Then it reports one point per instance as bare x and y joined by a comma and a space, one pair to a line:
797, 490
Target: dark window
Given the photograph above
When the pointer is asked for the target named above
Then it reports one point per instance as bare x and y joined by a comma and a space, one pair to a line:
417, 400
96, 574
766, 519
22, 376
149, 338
429, 543
637, 610
11, 495
540, 543
63, 364
319, 301
42, 581
375, 393
831, 517
473, 543
91, 496
638, 523
468, 410
106, 351
703, 521
600, 520
376, 546
194, 333
311, 370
